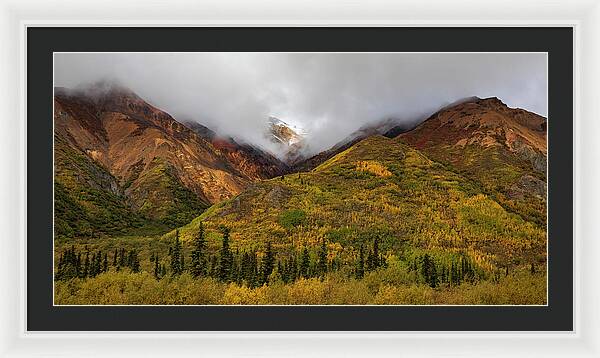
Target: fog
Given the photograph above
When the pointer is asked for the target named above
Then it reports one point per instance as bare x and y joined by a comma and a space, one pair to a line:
329, 95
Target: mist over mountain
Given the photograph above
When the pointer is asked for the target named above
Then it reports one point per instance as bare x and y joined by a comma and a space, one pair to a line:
327, 95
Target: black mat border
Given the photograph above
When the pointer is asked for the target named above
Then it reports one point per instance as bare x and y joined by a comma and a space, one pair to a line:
42, 316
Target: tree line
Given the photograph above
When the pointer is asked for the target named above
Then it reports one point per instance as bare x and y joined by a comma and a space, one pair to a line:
460, 269
74, 264
253, 270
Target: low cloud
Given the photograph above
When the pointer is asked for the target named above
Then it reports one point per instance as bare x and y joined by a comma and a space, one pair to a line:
329, 95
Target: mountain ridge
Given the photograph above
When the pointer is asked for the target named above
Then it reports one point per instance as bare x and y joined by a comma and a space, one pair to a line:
154, 158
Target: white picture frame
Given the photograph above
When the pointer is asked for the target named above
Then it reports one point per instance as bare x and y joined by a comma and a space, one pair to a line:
17, 16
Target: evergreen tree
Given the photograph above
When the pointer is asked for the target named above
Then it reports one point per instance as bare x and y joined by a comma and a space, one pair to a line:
92, 266
238, 273
373, 260
122, 258
225, 261
97, 263
135, 264
68, 265
428, 270
268, 263
157, 268
78, 268
304, 263
115, 258
360, 265
198, 263
176, 268
105, 263
182, 264
250, 269
292, 268
322, 259
86, 265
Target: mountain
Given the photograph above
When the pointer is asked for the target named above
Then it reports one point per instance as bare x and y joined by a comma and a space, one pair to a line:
504, 149
255, 162
289, 138
470, 179
389, 128
111, 140
383, 189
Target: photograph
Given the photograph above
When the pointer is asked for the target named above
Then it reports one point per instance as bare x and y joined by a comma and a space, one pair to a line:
300, 178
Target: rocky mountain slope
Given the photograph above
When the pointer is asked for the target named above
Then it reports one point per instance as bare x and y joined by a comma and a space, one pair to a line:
289, 138
255, 162
379, 188
470, 179
157, 167
389, 128
502, 148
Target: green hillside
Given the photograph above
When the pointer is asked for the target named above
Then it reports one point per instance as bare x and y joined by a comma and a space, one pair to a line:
87, 199
160, 196
89, 202
379, 223
380, 189
504, 176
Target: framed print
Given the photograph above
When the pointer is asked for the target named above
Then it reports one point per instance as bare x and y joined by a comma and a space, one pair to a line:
412, 180
395, 193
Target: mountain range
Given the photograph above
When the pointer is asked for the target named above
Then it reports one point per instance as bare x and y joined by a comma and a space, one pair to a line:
121, 163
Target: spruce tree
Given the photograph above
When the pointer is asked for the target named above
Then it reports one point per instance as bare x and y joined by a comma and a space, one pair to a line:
86, 265
176, 255
157, 268
360, 265
428, 270
105, 263
322, 259
268, 263
115, 258
182, 264
239, 275
78, 268
135, 265
225, 261
304, 263
250, 269
293, 268
97, 263
198, 263
373, 260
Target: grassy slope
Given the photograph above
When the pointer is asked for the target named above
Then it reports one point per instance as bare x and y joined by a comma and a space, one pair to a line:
166, 200
89, 202
394, 193
378, 188
497, 171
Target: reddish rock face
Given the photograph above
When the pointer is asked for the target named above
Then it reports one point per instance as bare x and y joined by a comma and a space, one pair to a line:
502, 148
484, 122
131, 138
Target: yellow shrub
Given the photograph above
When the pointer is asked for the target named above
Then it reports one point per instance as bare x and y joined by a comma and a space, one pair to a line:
373, 167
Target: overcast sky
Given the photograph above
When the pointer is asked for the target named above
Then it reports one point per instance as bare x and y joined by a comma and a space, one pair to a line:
329, 95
